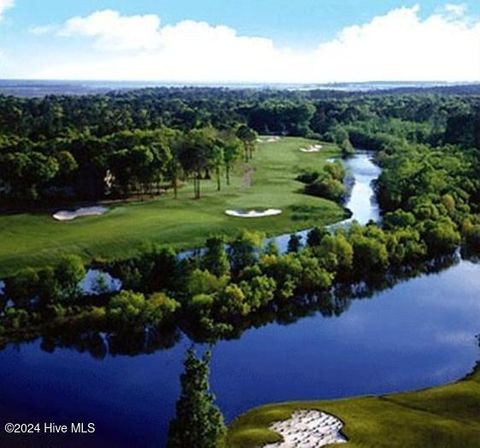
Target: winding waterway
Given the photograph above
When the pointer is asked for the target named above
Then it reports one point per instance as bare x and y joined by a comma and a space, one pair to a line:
361, 199
419, 333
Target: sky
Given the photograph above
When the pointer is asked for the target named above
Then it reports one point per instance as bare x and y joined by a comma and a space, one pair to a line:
301, 41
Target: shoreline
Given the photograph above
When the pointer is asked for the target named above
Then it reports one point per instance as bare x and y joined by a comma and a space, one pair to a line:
372, 418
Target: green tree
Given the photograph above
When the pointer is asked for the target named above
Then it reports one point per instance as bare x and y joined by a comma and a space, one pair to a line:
67, 163
271, 248
248, 137
133, 310
244, 250
23, 287
120, 165
313, 278
198, 422
441, 236
215, 259
231, 153
347, 148
218, 161
327, 188
204, 282
69, 273
259, 291
314, 237
335, 253
370, 255
195, 155
232, 302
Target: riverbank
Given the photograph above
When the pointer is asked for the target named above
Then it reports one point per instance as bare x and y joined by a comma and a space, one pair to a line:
446, 416
36, 240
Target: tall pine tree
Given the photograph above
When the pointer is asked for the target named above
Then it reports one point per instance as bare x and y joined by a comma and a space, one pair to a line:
198, 422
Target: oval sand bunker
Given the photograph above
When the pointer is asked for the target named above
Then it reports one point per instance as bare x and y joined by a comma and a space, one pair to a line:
85, 211
308, 429
313, 148
253, 213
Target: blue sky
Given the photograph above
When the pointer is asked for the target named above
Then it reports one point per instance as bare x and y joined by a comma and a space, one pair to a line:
296, 29
290, 22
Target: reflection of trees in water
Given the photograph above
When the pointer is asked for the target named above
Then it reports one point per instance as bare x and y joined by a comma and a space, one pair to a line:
99, 343
470, 255
332, 304
375, 284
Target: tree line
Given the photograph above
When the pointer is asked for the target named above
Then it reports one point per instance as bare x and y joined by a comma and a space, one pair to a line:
138, 162
142, 142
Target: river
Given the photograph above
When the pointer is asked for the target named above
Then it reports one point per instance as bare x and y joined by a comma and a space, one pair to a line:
362, 171
419, 333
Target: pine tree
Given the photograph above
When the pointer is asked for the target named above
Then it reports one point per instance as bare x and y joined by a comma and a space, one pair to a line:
198, 422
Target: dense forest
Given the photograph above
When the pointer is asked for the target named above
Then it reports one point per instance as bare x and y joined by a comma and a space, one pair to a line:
75, 148
429, 191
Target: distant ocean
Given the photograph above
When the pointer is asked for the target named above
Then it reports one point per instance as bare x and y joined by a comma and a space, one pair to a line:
32, 88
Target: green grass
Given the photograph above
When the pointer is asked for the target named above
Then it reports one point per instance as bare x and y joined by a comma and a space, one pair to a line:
34, 240
440, 417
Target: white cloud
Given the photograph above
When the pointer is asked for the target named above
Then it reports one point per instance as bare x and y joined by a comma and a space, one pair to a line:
111, 31
399, 45
456, 9
4, 5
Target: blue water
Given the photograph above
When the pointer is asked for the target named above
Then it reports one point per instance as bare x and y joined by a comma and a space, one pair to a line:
419, 333
361, 200
39, 88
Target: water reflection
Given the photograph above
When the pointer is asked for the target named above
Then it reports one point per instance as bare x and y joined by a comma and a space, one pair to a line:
413, 334
100, 343
97, 282
361, 201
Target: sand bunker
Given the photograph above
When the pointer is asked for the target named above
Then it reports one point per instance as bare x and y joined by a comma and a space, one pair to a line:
313, 148
308, 429
85, 211
253, 213
272, 139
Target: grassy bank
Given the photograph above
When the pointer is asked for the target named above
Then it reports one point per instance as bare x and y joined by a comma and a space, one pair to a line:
36, 239
441, 417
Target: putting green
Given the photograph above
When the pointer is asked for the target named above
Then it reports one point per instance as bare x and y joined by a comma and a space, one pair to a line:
446, 417
34, 240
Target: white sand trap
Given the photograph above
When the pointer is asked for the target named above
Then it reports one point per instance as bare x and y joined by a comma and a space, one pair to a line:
253, 213
85, 211
313, 148
272, 139
308, 429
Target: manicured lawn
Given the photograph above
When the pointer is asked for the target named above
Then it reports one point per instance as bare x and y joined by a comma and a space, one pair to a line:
36, 239
441, 417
